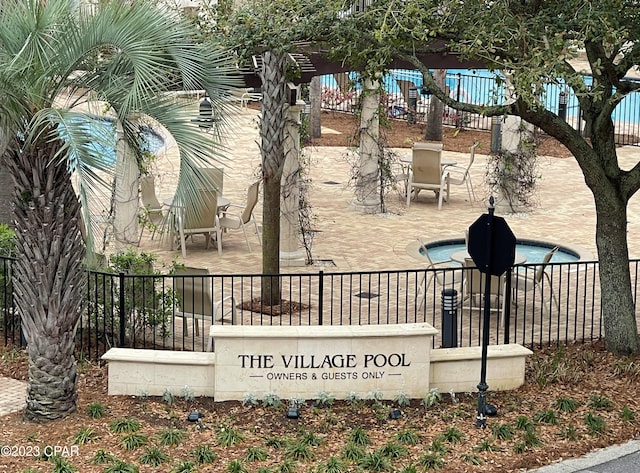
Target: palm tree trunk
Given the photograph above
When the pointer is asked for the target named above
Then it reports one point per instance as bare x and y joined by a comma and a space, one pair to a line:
272, 126
6, 185
48, 277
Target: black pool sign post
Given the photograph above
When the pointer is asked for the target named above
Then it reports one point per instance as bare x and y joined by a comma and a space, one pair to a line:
492, 246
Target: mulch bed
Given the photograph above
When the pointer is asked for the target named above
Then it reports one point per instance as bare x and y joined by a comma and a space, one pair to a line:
284, 308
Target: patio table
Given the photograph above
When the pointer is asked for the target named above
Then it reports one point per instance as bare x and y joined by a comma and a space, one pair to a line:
461, 255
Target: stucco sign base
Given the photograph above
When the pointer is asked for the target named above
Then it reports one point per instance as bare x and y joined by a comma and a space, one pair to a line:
301, 362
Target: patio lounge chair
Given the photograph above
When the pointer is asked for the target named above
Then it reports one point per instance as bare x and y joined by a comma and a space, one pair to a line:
194, 290
236, 221
427, 172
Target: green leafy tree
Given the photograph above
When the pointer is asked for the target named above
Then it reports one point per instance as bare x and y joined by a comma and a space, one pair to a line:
54, 61
270, 30
535, 42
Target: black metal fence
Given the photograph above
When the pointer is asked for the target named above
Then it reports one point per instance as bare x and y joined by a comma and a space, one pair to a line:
402, 86
176, 312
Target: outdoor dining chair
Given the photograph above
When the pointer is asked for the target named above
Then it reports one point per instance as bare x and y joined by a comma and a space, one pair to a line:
231, 220
151, 210
195, 293
427, 172
446, 277
459, 175
537, 281
475, 284
200, 218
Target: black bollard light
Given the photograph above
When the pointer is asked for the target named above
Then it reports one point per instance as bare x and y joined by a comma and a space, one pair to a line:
449, 318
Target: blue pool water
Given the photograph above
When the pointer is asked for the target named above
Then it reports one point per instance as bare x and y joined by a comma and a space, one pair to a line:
103, 139
532, 250
462, 80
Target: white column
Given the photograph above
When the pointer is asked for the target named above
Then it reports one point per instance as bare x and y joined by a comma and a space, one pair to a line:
125, 222
291, 252
367, 195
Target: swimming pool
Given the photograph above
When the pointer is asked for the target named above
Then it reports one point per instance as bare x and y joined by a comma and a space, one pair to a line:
533, 250
103, 139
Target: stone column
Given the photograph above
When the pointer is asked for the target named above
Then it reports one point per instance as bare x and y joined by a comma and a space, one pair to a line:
291, 253
367, 195
125, 222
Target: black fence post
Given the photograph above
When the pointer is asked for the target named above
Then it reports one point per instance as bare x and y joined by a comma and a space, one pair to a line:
320, 295
121, 304
507, 305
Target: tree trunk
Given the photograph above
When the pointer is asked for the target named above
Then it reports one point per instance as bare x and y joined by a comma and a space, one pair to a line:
315, 97
272, 126
618, 312
6, 186
436, 109
48, 277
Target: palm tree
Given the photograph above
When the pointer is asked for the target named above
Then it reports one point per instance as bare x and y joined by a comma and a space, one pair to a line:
54, 62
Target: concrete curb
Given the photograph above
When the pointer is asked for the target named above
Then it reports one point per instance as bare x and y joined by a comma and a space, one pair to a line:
593, 459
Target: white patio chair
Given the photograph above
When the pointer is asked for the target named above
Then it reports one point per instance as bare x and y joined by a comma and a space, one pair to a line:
235, 221
459, 175
201, 218
427, 172
537, 281
194, 290
151, 210
452, 278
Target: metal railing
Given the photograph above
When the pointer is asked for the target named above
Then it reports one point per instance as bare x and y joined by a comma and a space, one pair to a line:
176, 311
340, 92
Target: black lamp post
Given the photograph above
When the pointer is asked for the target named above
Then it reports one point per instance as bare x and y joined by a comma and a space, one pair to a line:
492, 245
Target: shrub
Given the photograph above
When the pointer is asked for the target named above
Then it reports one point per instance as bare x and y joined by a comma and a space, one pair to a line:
407, 437
134, 440
153, 456
171, 437
567, 404
85, 435
595, 424
256, 454
431, 461
597, 401
96, 410
374, 461
359, 436
228, 436
547, 416
502, 431
127, 425
432, 398
453, 435
203, 454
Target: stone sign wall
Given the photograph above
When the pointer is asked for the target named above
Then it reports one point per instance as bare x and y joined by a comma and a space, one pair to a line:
301, 362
